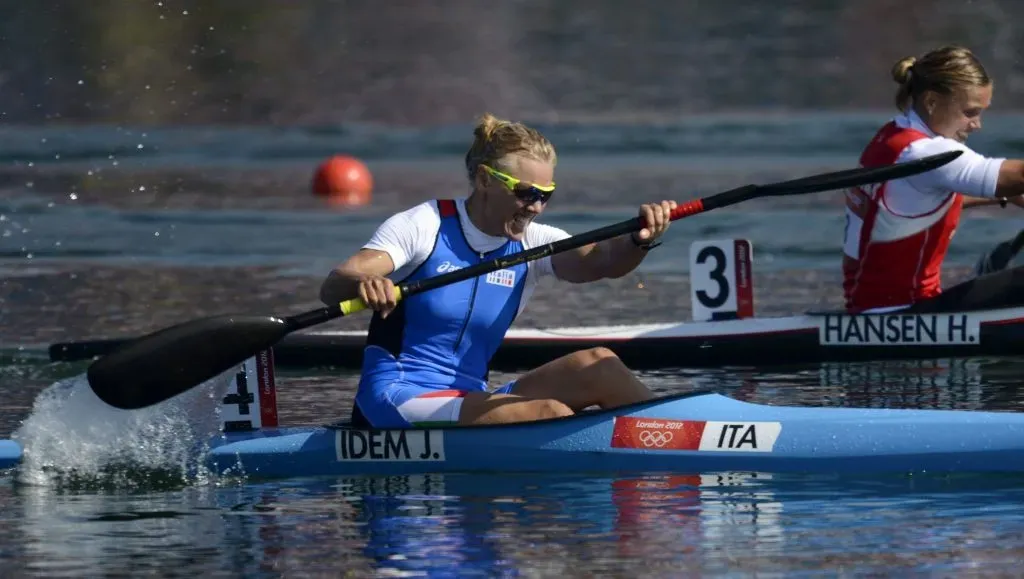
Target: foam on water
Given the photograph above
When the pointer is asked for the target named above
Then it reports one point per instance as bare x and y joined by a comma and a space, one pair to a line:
72, 437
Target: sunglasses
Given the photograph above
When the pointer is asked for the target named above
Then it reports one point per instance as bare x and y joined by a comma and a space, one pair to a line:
526, 192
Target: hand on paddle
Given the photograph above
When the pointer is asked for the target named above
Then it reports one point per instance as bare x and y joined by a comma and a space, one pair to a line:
657, 217
378, 293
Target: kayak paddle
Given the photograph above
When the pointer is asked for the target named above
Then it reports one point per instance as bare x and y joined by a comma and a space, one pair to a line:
1000, 256
161, 365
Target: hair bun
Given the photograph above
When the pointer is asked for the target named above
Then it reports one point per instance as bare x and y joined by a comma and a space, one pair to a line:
486, 127
901, 70
494, 139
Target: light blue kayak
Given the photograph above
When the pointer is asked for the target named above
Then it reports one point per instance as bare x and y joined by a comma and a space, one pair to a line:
10, 453
690, 433
693, 433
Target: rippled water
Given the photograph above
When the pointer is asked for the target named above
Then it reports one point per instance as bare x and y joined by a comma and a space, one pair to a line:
195, 223
530, 525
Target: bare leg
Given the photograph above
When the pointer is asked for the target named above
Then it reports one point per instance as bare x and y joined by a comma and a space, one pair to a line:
484, 408
582, 379
559, 388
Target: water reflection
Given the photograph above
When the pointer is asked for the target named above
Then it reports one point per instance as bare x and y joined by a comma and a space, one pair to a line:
504, 525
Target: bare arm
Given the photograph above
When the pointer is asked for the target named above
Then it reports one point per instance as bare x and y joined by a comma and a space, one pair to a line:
983, 201
982, 180
612, 258
403, 238
1009, 186
1011, 179
343, 281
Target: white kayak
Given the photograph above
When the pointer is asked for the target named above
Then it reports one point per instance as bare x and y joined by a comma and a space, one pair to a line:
806, 338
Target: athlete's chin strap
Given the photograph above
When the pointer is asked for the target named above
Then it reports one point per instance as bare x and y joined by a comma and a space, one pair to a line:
1000, 257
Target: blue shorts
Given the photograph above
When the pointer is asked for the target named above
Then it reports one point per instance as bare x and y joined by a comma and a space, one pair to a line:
402, 405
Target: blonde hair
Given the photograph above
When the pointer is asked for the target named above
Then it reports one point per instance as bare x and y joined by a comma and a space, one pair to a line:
942, 70
496, 138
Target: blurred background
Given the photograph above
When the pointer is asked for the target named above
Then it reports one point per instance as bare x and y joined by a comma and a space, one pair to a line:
408, 63
159, 156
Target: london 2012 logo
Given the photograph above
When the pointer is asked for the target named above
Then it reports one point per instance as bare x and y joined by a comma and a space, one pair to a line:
660, 435
655, 438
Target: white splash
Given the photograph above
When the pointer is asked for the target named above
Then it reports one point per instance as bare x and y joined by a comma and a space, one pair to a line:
72, 433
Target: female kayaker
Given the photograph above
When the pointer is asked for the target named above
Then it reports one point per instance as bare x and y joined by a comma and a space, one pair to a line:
426, 358
897, 234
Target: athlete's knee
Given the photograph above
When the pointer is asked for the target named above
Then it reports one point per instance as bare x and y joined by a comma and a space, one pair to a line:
550, 408
596, 355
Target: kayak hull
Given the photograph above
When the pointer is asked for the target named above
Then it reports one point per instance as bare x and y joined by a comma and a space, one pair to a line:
809, 338
10, 453
697, 433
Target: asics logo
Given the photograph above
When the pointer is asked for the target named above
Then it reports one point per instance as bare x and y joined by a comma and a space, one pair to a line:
655, 438
447, 267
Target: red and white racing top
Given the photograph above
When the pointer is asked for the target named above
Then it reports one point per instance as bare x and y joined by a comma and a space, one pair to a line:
897, 233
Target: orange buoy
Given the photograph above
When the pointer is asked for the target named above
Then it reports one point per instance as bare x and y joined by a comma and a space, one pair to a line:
344, 180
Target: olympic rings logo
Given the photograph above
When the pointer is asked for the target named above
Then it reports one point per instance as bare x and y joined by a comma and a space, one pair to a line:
655, 438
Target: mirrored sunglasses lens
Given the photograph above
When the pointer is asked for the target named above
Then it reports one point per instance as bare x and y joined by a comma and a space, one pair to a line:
532, 194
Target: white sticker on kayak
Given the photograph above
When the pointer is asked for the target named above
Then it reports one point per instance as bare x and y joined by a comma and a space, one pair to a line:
897, 329
389, 445
740, 436
658, 434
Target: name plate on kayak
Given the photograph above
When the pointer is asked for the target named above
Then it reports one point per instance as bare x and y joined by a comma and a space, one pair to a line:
700, 435
389, 445
897, 329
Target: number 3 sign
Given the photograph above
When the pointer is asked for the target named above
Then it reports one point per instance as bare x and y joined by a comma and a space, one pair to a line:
721, 285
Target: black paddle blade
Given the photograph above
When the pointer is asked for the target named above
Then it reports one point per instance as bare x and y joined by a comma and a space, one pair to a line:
1000, 256
859, 176
161, 365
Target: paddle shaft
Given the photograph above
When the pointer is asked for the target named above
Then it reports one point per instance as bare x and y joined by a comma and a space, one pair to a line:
348, 307
814, 184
